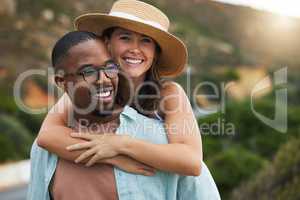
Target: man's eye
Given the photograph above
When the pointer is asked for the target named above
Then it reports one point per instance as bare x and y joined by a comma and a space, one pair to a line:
111, 69
88, 72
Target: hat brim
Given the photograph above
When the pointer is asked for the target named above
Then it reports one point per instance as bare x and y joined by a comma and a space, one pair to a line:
173, 57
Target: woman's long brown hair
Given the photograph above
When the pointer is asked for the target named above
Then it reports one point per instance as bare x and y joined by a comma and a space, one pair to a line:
146, 106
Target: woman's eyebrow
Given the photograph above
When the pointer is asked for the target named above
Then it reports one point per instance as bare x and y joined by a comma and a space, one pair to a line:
124, 33
146, 36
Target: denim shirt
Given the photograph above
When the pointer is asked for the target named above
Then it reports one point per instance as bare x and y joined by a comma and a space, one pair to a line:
163, 185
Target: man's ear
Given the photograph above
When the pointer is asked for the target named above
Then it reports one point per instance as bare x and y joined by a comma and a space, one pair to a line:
107, 44
59, 80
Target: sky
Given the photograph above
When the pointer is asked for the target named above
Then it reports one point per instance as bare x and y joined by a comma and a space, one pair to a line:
282, 7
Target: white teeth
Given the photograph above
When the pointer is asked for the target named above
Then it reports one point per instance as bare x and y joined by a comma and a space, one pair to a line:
103, 94
133, 61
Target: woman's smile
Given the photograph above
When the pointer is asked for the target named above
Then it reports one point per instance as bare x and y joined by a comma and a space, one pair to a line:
133, 61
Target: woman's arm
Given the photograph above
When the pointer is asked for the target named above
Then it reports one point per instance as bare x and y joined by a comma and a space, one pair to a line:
54, 136
182, 126
182, 155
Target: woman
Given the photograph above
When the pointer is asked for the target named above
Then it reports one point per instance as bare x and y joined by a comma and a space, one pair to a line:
137, 37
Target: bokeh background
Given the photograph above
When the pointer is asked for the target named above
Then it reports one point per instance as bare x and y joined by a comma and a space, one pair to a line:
228, 44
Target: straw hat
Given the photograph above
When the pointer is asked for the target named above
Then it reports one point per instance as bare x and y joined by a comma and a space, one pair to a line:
142, 18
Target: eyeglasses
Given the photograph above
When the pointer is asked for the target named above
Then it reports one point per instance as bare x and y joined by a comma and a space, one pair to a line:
91, 74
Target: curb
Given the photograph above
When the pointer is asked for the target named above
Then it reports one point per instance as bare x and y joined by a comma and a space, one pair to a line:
14, 174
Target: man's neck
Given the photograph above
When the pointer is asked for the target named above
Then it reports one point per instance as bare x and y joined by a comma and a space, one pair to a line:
96, 118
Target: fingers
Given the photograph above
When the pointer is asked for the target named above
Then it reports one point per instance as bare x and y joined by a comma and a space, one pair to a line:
137, 170
93, 160
144, 172
85, 155
147, 173
146, 167
79, 146
85, 136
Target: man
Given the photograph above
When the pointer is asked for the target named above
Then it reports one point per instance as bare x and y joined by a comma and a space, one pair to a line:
90, 79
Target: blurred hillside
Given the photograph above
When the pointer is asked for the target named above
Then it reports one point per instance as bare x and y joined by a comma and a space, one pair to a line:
226, 43
219, 34
216, 34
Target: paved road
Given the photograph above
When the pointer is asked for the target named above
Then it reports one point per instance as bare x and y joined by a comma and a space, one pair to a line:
18, 193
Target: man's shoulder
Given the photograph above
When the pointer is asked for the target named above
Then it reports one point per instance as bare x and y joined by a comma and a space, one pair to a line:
143, 127
138, 117
39, 154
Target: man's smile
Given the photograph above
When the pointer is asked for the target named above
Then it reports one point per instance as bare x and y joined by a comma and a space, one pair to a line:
104, 94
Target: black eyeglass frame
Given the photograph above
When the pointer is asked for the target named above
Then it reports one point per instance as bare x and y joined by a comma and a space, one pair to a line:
108, 66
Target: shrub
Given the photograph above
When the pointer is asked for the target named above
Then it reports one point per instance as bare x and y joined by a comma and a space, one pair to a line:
15, 139
278, 180
32, 122
232, 166
222, 152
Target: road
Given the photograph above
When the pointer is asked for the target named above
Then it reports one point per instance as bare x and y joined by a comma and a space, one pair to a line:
18, 193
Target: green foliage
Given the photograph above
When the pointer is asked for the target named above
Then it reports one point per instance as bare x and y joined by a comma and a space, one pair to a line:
31, 121
7, 103
253, 142
8, 107
250, 131
212, 146
15, 139
278, 180
231, 75
232, 166
8, 151
17, 129
293, 121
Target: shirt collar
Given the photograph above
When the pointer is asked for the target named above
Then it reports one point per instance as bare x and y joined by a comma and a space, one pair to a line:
130, 113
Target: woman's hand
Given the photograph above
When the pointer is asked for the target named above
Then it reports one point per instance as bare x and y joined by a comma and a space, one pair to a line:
100, 146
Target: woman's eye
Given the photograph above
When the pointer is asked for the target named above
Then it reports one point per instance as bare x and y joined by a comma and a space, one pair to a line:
124, 37
147, 40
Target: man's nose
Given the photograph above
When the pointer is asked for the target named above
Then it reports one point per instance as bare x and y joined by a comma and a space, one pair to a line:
102, 78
